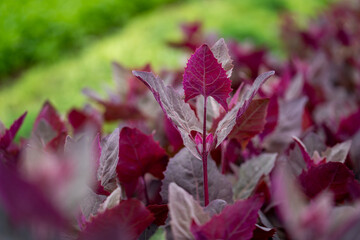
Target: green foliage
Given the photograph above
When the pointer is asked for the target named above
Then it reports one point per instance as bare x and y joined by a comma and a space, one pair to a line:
35, 31
142, 40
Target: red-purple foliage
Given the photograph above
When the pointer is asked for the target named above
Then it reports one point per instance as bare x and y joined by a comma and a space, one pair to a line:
139, 154
71, 179
235, 222
205, 76
125, 221
331, 176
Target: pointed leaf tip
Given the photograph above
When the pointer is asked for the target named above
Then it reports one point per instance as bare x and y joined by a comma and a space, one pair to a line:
204, 75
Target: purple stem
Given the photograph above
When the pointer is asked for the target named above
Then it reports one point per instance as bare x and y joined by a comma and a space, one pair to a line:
204, 159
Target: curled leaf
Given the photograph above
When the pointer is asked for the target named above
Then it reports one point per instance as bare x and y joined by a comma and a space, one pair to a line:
174, 108
227, 124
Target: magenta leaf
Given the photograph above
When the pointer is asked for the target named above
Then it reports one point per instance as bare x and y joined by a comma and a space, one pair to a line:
24, 202
302, 220
173, 136
349, 126
49, 128
80, 119
271, 117
307, 159
125, 221
160, 212
205, 76
9, 134
120, 111
115, 110
251, 122
333, 176
174, 107
139, 154
226, 124
235, 222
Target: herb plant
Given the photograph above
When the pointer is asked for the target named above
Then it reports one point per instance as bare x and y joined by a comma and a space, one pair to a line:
251, 158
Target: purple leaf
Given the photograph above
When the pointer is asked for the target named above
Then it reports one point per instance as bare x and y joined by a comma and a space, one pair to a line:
183, 211
80, 119
215, 207
109, 157
112, 200
235, 222
205, 76
8, 137
355, 152
174, 108
348, 228
289, 124
251, 172
49, 128
139, 154
271, 117
173, 136
349, 126
307, 159
338, 152
221, 53
24, 202
287, 195
186, 171
314, 142
125, 221
301, 219
120, 111
263, 233
90, 203
334, 176
160, 212
226, 124
251, 122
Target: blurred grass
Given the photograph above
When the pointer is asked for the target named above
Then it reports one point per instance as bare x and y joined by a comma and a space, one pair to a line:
35, 30
141, 41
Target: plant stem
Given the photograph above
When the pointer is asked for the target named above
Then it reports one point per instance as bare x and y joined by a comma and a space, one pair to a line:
204, 159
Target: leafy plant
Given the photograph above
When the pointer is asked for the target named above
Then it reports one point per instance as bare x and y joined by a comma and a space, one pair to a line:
208, 76
276, 159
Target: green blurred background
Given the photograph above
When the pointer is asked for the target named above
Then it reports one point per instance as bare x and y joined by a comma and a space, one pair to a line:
52, 49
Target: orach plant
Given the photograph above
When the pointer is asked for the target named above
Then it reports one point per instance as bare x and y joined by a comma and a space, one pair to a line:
206, 74
274, 158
